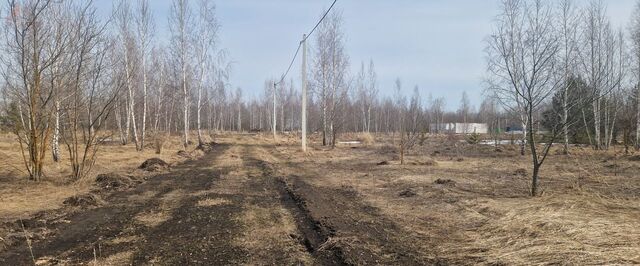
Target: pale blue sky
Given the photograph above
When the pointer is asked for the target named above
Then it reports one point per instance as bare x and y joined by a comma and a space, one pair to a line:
435, 44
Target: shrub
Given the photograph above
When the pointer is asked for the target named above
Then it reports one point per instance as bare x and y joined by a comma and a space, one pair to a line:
473, 138
159, 142
366, 138
423, 138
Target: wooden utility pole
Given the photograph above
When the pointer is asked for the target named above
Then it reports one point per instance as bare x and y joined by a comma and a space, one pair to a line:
304, 93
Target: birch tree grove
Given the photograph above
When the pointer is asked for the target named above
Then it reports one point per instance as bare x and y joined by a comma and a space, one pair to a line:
330, 74
73, 80
599, 65
70, 77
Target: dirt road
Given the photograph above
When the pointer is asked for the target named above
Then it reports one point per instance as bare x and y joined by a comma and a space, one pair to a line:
228, 207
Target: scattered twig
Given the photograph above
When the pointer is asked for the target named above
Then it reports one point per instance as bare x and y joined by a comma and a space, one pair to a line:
26, 236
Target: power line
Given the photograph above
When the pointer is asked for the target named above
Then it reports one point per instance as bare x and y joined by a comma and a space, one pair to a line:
290, 64
323, 16
295, 55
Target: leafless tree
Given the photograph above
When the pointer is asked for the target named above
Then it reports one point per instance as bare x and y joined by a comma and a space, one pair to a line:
124, 17
635, 58
568, 25
522, 52
507, 51
180, 25
600, 66
145, 31
366, 93
464, 109
330, 73
30, 50
91, 88
205, 40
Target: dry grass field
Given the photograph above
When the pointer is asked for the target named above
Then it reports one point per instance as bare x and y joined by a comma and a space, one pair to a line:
21, 198
255, 201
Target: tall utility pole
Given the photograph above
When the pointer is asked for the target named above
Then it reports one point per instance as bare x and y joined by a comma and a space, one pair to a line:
304, 92
274, 111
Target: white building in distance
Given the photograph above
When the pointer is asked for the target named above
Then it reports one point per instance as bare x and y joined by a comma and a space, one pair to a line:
459, 128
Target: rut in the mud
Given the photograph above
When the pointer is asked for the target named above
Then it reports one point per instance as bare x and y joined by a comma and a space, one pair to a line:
312, 234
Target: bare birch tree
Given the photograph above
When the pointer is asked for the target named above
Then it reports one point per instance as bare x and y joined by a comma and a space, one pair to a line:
205, 41
145, 30
124, 17
506, 62
568, 27
180, 25
635, 69
330, 72
598, 64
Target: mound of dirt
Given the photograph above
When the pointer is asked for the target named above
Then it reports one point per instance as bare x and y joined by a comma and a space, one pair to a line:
83, 200
442, 181
520, 172
154, 164
407, 193
113, 181
428, 162
184, 154
206, 147
634, 158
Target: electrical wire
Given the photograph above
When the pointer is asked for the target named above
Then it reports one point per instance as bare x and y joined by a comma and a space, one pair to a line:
295, 55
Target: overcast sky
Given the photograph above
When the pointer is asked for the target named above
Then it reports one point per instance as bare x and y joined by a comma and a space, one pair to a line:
437, 45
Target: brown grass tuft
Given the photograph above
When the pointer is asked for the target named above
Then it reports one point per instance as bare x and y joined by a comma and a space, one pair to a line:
366, 138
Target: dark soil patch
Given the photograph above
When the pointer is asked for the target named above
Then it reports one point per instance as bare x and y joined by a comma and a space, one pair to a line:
313, 233
407, 193
84, 200
113, 181
354, 229
520, 172
191, 234
207, 146
429, 162
443, 181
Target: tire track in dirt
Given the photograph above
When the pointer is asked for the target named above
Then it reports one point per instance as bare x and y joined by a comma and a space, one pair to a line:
160, 221
310, 233
357, 231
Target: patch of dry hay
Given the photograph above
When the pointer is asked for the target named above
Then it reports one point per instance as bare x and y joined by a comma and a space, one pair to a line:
212, 202
574, 230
